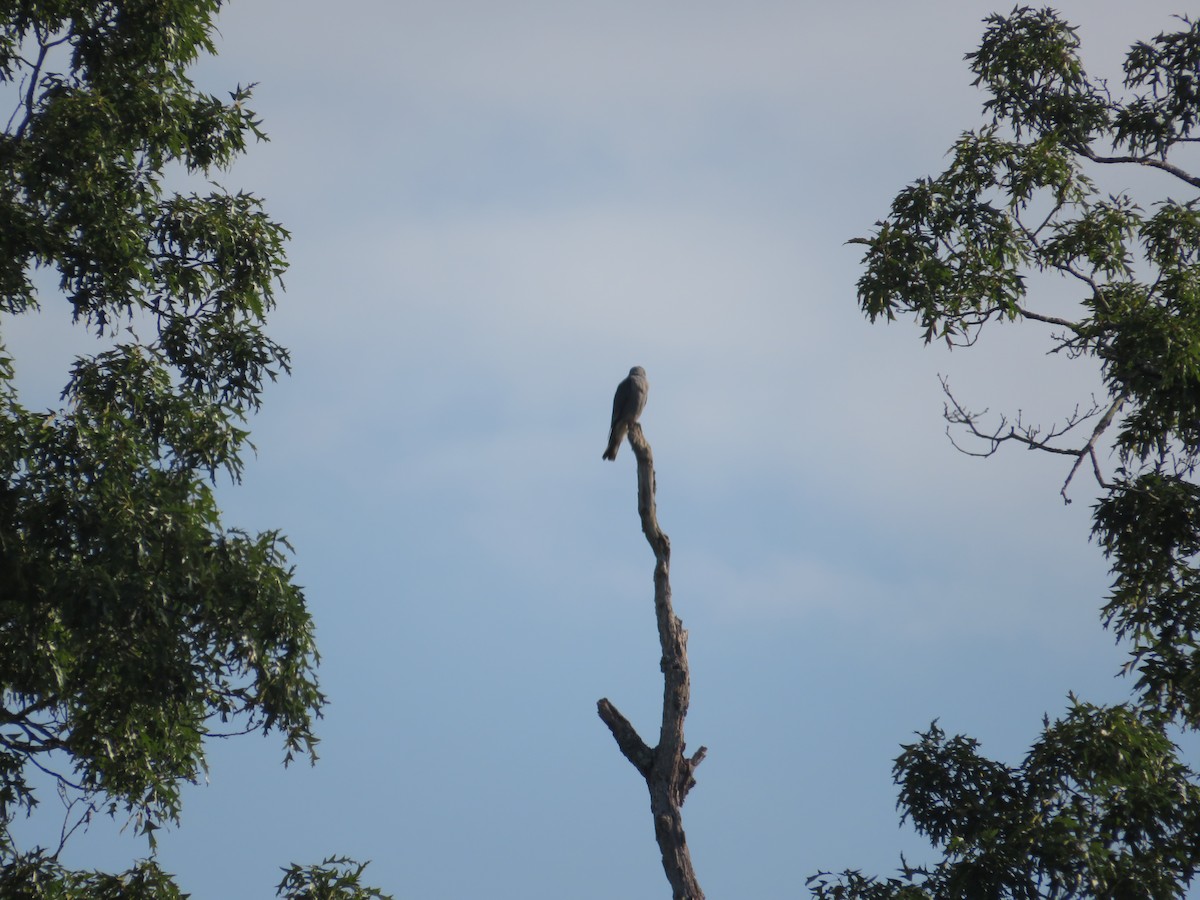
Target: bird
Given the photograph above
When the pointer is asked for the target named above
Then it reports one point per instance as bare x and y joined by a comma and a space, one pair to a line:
628, 403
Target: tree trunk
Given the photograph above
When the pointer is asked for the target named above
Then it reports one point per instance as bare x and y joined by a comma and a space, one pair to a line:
668, 773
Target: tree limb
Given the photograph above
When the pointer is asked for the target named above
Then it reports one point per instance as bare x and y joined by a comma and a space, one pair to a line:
626, 736
1049, 320
1150, 161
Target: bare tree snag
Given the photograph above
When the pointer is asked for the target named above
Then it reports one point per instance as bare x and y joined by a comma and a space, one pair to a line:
667, 771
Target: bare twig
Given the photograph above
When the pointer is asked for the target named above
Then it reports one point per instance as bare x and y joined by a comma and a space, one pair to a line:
1033, 233
668, 773
85, 819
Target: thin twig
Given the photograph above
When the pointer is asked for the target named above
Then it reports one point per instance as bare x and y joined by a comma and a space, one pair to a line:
85, 817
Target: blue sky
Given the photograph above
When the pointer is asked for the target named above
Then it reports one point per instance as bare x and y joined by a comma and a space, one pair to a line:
496, 211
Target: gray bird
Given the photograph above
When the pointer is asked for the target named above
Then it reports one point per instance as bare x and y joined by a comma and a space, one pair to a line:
628, 403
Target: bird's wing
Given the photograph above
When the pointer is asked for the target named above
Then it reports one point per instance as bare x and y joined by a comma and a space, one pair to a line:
623, 400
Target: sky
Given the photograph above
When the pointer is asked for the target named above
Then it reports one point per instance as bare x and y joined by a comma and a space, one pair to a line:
496, 210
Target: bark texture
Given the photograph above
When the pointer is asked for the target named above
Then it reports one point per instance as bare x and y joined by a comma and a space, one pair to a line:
668, 773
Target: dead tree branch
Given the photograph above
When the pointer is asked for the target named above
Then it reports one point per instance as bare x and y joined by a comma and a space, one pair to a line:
1032, 436
668, 773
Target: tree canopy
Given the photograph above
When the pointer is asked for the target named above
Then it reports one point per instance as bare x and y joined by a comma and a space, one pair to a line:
133, 622
1102, 805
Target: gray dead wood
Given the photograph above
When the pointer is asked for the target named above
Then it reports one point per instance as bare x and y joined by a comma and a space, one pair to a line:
668, 773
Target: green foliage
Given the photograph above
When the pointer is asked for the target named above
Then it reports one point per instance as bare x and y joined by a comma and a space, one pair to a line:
36, 876
133, 623
336, 878
1102, 806
1150, 528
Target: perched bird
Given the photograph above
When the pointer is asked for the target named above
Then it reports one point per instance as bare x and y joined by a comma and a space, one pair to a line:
628, 403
